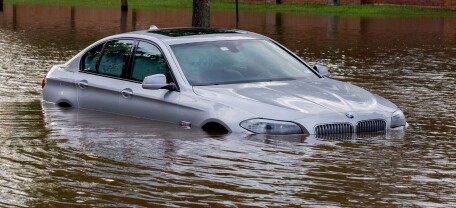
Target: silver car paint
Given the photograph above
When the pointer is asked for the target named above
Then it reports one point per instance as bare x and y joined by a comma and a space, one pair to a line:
306, 102
60, 86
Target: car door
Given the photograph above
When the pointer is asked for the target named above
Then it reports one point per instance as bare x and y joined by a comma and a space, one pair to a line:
162, 104
102, 76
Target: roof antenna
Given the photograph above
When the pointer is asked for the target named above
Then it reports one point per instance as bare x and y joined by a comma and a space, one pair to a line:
153, 27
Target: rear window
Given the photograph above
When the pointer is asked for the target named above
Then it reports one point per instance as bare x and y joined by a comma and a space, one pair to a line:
90, 59
115, 57
108, 59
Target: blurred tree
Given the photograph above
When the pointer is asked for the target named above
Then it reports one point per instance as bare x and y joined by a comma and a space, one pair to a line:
123, 20
124, 5
334, 2
201, 13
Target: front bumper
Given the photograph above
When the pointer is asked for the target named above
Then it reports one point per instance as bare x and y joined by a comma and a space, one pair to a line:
343, 119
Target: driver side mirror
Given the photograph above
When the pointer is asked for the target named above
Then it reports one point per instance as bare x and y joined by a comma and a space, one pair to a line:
322, 70
157, 81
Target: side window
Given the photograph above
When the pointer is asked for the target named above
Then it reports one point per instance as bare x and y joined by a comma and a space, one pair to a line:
148, 60
115, 56
90, 59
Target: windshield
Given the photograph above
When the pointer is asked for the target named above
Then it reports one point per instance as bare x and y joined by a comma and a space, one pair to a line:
238, 61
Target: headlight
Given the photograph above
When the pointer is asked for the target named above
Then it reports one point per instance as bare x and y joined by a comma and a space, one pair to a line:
265, 126
398, 119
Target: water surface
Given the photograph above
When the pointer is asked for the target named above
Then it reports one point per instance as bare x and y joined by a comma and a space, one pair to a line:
65, 158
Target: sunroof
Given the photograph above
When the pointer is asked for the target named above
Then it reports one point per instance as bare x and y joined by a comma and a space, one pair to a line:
179, 32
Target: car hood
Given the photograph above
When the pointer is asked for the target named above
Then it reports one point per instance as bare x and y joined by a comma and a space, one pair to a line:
296, 98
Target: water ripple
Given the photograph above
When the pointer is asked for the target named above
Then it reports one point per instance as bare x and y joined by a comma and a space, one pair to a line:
67, 158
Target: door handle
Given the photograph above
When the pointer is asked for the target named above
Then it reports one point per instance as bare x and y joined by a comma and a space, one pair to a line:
126, 93
83, 84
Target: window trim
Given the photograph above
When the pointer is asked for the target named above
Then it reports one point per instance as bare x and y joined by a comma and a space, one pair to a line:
125, 68
82, 61
122, 77
130, 69
130, 74
101, 56
129, 65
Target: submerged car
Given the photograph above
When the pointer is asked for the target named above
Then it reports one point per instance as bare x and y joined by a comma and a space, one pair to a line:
218, 80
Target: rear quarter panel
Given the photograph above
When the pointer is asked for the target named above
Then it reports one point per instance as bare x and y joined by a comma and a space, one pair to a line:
60, 86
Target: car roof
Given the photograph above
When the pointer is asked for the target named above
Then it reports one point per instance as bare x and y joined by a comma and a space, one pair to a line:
188, 35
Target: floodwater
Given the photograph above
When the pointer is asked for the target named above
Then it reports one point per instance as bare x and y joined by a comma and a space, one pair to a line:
52, 157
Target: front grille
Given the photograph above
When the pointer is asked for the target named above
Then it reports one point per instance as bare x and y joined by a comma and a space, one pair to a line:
371, 126
337, 128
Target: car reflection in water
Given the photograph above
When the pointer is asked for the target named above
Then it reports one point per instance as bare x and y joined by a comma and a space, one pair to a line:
377, 138
79, 125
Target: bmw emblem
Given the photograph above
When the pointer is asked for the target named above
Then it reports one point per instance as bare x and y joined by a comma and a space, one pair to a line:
349, 115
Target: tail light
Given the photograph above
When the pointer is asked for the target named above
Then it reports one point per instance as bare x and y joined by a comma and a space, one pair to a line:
43, 82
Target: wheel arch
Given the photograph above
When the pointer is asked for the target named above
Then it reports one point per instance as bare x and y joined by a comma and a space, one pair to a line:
215, 125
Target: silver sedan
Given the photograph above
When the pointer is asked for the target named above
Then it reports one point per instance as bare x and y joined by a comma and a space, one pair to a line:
218, 80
